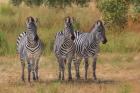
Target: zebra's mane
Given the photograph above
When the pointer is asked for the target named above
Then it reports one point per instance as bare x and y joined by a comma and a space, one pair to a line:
20, 37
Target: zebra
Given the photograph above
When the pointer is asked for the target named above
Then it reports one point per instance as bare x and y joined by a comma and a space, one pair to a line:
29, 48
64, 47
86, 45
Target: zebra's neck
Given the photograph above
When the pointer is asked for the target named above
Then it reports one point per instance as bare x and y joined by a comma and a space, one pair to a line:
32, 43
93, 36
67, 43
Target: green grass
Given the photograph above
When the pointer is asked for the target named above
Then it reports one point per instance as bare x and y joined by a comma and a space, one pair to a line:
122, 42
126, 88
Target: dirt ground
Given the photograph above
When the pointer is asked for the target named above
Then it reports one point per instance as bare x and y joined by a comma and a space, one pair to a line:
116, 73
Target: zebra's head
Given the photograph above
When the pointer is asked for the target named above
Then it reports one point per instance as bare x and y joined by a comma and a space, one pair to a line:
31, 26
68, 29
100, 32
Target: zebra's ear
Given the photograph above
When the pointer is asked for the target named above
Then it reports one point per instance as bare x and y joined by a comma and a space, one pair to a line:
29, 20
67, 19
98, 23
36, 21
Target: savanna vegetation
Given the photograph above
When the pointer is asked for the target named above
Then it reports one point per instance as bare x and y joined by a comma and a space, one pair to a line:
119, 60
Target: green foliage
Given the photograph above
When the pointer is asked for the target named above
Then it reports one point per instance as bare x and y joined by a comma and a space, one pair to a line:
114, 12
126, 89
135, 2
121, 42
137, 9
6, 10
16, 2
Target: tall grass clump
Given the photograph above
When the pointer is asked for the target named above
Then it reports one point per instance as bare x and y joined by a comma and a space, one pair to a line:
3, 44
126, 89
114, 12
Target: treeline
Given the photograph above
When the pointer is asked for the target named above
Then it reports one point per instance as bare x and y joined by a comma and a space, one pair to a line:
114, 12
52, 3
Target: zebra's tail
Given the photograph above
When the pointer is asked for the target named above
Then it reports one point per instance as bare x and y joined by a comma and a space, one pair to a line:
19, 39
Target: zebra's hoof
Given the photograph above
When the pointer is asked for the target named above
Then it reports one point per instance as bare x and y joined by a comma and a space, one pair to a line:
37, 78
34, 78
29, 80
63, 79
78, 77
70, 78
95, 78
23, 80
85, 79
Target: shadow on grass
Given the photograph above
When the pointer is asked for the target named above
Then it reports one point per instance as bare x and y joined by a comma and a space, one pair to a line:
81, 81
65, 82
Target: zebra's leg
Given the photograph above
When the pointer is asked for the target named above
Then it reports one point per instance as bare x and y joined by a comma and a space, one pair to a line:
86, 67
22, 70
69, 68
33, 68
77, 65
94, 67
63, 69
29, 70
36, 70
22, 63
59, 68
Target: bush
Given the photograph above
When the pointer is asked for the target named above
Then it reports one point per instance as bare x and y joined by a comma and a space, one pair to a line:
114, 12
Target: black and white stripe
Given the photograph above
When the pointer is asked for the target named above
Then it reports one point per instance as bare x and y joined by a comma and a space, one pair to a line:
22, 35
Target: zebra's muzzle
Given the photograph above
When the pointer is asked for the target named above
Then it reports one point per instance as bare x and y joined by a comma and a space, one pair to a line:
105, 41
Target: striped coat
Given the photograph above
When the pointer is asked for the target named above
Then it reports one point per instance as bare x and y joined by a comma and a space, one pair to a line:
29, 48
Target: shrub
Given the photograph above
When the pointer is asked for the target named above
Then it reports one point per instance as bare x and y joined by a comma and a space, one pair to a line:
114, 12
